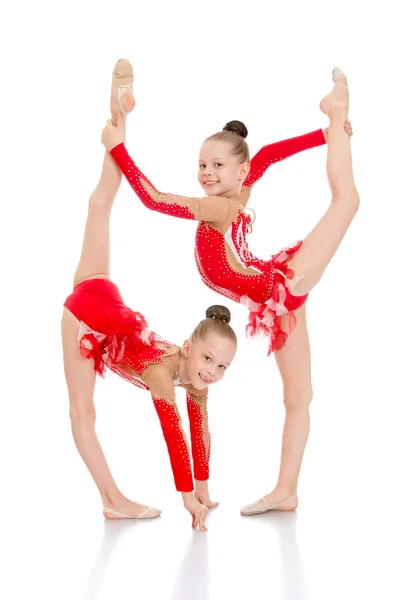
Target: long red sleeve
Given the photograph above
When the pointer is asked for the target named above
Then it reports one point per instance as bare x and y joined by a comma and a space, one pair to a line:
211, 209
159, 379
176, 443
200, 437
273, 153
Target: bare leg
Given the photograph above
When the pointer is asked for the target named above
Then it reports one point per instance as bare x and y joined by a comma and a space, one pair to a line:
80, 376
79, 372
95, 255
310, 261
294, 365
321, 244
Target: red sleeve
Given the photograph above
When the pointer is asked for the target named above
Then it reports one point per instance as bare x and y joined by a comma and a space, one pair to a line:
200, 437
211, 209
176, 443
279, 151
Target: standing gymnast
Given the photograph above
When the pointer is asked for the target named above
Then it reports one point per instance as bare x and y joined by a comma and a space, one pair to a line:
99, 331
274, 292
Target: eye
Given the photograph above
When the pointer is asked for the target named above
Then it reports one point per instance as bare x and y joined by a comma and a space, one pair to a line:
218, 164
201, 166
207, 358
222, 367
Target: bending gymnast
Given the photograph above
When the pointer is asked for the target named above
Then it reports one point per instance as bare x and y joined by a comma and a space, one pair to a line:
275, 292
99, 331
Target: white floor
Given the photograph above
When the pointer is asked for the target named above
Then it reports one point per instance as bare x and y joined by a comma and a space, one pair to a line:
328, 549
342, 542
268, 65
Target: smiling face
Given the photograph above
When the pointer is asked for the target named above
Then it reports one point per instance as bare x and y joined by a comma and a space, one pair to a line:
220, 172
207, 359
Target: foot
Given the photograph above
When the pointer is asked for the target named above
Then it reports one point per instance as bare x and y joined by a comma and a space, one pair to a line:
276, 500
122, 99
337, 101
129, 510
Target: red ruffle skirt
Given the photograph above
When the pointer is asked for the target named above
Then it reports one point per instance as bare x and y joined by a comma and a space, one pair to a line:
108, 329
266, 319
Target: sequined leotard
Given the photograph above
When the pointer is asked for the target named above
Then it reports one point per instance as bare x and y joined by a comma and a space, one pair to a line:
222, 255
120, 339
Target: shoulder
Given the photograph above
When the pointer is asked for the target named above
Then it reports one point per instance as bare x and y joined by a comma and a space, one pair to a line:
245, 193
220, 209
158, 375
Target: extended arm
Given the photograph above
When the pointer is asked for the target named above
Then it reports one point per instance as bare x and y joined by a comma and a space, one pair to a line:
276, 152
200, 436
211, 209
159, 380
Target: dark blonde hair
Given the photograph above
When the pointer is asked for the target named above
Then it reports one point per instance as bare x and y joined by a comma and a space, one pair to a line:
234, 133
216, 321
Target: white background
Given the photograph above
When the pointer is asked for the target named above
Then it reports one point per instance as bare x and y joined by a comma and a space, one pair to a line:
197, 66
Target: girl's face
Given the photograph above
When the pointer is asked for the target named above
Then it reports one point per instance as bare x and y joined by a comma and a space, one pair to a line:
207, 360
220, 173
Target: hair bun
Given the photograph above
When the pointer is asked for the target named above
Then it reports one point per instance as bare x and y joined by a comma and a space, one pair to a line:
218, 312
237, 127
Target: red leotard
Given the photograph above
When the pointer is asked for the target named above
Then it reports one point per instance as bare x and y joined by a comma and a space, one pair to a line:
223, 258
119, 338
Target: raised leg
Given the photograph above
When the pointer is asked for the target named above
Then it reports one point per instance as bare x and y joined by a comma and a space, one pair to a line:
321, 244
79, 372
95, 255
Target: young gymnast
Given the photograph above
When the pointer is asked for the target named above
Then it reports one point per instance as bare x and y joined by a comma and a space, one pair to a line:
99, 331
274, 292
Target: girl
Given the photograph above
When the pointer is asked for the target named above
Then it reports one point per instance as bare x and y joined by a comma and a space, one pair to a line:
99, 331
274, 292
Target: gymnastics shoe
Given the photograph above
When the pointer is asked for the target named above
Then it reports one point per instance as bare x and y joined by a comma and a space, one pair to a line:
149, 513
259, 509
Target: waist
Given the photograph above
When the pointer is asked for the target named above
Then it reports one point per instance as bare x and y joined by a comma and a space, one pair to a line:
228, 282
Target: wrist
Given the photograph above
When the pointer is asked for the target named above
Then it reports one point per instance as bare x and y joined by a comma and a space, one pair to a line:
115, 145
201, 485
187, 496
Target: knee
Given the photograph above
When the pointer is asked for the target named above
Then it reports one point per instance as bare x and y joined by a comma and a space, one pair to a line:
296, 398
82, 416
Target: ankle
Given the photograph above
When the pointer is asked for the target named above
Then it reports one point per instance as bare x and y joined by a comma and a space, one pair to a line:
337, 115
285, 491
113, 499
